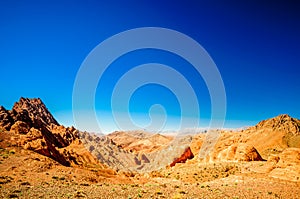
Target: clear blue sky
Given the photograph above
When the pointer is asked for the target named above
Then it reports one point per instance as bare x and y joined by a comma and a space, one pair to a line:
255, 45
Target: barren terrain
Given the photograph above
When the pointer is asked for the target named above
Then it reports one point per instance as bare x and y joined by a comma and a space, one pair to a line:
39, 158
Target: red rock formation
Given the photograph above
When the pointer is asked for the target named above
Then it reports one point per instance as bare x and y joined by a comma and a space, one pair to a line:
34, 128
182, 159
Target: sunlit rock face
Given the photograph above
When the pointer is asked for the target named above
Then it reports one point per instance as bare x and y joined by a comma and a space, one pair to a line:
33, 127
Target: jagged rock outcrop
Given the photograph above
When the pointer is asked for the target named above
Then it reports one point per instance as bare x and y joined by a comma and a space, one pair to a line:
33, 127
32, 111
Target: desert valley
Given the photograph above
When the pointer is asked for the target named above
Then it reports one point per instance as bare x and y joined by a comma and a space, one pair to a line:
39, 158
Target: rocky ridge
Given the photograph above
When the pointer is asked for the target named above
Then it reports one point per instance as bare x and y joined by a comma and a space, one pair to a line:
275, 141
140, 141
119, 158
31, 126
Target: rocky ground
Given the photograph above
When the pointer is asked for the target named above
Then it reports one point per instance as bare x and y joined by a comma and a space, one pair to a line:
25, 174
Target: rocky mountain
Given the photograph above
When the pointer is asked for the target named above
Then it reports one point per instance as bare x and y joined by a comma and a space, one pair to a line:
33, 112
275, 141
272, 136
284, 129
30, 125
267, 138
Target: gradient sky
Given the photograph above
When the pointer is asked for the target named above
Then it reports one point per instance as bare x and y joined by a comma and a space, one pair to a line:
255, 45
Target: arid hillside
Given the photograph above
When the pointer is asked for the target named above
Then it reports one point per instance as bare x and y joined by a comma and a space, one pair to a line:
117, 155
140, 141
268, 137
31, 126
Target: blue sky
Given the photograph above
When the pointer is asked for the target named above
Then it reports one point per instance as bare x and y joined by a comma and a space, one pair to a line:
255, 46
